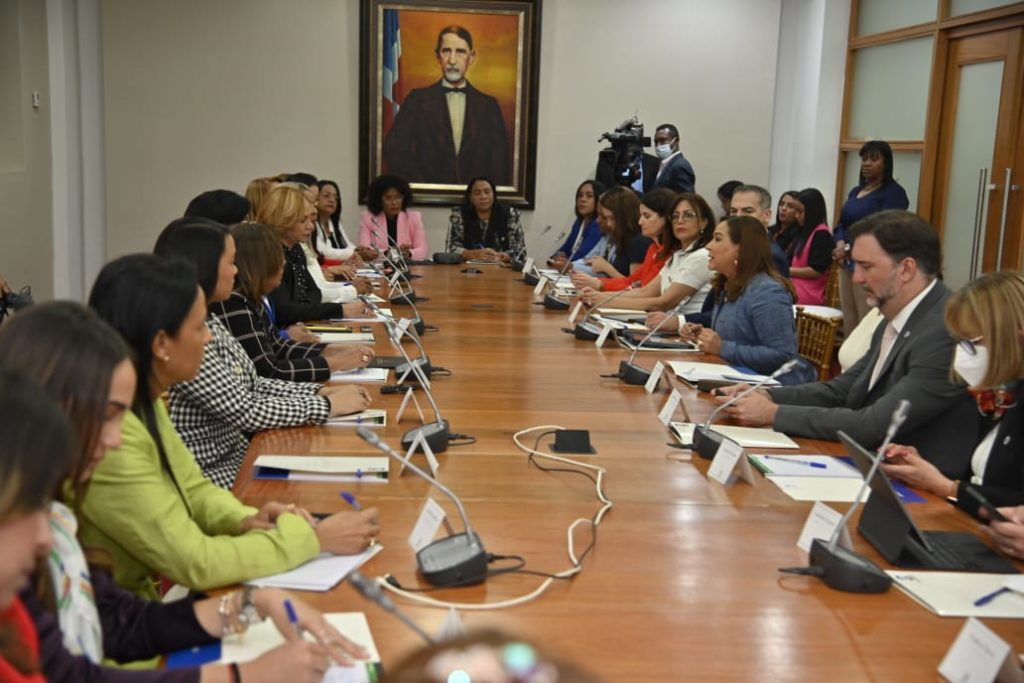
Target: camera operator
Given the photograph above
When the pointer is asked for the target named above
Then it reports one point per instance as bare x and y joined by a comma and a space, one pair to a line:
675, 172
624, 162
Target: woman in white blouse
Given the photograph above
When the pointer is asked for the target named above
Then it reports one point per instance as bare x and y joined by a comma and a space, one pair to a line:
329, 238
685, 278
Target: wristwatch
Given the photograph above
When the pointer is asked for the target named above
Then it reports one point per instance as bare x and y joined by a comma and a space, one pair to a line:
247, 612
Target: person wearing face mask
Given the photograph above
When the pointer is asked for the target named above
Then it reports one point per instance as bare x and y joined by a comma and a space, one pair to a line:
987, 317
897, 261
675, 172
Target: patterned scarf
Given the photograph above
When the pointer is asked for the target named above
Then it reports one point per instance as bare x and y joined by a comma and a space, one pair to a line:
993, 403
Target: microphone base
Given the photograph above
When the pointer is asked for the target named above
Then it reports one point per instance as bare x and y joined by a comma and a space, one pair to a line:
458, 560
530, 279
407, 299
706, 442
424, 365
419, 325
553, 303
586, 332
436, 435
633, 374
845, 570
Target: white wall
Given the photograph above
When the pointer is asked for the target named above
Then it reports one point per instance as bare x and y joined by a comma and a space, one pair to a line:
808, 100
202, 94
26, 234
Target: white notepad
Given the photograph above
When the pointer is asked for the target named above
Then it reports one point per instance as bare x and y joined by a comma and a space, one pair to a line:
952, 594
695, 372
369, 375
748, 437
320, 574
366, 418
265, 636
798, 466
326, 464
825, 489
345, 337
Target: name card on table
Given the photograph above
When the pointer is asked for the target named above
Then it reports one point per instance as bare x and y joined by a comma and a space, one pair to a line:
822, 523
539, 289
978, 655
729, 462
430, 519
409, 396
603, 337
670, 407
420, 442
656, 373
575, 312
527, 265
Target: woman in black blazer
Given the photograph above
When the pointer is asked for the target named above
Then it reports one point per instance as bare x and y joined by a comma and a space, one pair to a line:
987, 316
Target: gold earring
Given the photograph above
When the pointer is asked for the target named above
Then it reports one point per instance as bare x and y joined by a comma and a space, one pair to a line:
165, 358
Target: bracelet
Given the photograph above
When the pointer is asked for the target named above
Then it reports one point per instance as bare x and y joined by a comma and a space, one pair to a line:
225, 610
236, 673
248, 614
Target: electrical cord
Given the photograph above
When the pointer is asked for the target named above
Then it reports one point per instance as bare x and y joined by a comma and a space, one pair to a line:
576, 567
461, 440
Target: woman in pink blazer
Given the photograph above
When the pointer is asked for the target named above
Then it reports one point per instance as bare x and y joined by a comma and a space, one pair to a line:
386, 202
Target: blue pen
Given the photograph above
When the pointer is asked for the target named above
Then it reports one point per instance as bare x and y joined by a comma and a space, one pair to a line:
351, 500
289, 609
805, 463
985, 599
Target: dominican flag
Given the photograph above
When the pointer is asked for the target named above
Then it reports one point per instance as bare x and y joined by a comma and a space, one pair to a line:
391, 92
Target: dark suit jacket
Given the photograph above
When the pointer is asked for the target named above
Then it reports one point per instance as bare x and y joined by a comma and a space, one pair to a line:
420, 146
943, 422
289, 308
1002, 482
678, 175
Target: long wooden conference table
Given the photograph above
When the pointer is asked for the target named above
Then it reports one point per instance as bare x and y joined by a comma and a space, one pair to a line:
683, 583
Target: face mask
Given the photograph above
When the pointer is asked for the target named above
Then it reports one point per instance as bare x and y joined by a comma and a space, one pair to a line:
663, 151
972, 368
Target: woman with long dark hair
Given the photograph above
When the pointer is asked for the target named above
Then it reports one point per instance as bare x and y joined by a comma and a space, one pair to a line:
810, 252
482, 228
149, 504
217, 410
752, 321
32, 426
585, 237
81, 615
330, 240
685, 277
619, 216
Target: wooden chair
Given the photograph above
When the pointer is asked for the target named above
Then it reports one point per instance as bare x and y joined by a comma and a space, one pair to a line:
816, 340
832, 288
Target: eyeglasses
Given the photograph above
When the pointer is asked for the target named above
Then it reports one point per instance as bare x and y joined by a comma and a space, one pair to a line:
684, 216
970, 346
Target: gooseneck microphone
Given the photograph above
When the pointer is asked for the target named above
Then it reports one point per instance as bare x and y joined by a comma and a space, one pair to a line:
369, 589
587, 332
552, 302
705, 440
392, 244
631, 373
533, 278
843, 569
455, 560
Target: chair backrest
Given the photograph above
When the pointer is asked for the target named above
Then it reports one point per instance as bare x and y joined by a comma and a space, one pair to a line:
832, 287
816, 340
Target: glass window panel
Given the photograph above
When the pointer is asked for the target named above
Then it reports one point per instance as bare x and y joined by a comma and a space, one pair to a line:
889, 97
877, 16
974, 141
958, 7
906, 169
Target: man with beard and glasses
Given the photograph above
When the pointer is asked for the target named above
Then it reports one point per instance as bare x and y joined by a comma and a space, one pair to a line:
897, 260
449, 132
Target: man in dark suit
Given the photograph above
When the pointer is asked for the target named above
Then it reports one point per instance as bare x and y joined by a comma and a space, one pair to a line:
449, 132
675, 171
897, 260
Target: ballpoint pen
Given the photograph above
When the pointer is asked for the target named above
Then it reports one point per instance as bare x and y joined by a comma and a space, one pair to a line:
289, 609
797, 461
350, 499
985, 599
